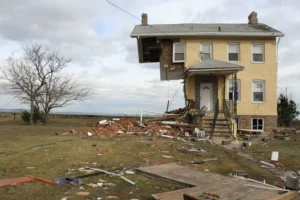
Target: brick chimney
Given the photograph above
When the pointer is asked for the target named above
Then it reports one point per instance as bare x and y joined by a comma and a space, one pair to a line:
144, 19
252, 18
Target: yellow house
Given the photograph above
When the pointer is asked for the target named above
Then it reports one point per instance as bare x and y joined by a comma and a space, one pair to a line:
231, 68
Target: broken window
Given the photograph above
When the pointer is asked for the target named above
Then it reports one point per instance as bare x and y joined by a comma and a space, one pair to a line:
258, 124
233, 52
234, 95
258, 89
178, 52
206, 50
258, 52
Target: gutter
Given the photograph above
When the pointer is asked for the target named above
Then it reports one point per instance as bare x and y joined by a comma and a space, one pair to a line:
216, 69
275, 34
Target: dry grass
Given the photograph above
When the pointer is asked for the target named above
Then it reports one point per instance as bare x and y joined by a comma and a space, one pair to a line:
55, 160
288, 151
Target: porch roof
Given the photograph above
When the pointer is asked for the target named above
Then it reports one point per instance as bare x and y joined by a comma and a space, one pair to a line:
214, 66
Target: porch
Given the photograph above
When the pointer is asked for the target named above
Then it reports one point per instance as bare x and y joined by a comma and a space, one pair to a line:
213, 84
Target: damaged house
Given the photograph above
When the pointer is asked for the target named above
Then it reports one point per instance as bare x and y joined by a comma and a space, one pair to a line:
229, 68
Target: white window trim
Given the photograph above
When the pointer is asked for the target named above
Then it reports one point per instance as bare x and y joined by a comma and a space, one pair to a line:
173, 53
257, 62
238, 101
264, 96
263, 125
235, 61
210, 44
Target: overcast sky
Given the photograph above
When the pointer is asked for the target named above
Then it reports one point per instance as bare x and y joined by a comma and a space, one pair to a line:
96, 36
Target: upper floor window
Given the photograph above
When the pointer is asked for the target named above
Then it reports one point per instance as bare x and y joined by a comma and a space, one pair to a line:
178, 52
234, 95
206, 50
258, 89
234, 52
258, 51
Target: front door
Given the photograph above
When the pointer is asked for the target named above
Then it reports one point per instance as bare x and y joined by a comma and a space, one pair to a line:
206, 95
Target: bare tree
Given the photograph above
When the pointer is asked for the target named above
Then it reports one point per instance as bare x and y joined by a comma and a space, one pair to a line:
60, 91
25, 76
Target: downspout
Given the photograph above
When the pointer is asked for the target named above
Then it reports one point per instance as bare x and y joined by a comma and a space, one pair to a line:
277, 46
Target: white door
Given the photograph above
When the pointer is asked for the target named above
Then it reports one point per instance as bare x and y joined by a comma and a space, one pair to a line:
206, 95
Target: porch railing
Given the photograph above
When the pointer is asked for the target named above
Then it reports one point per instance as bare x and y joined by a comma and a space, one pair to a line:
227, 114
229, 106
215, 118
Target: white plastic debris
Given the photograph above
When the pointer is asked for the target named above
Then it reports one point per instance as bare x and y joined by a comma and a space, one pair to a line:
129, 172
275, 156
165, 156
100, 184
103, 122
64, 198
90, 134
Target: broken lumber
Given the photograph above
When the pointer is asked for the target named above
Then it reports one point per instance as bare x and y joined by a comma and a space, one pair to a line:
199, 162
267, 164
267, 188
113, 174
26, 179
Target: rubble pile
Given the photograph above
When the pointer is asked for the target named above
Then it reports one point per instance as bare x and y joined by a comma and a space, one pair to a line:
173, 123
131, 126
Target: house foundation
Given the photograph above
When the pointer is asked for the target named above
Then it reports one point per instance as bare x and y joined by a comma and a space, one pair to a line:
269, 122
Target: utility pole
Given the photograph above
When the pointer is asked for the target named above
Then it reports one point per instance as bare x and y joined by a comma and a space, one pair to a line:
286, 91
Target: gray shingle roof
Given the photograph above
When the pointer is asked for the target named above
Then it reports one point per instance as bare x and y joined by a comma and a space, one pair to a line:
212, 64
205, 30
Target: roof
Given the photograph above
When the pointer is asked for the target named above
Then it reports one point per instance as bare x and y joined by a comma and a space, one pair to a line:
258, 29
215, 65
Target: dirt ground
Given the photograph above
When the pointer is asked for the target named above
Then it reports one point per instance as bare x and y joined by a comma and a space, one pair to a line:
63, 158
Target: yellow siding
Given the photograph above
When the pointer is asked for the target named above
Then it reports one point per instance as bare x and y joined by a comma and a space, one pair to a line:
266, 71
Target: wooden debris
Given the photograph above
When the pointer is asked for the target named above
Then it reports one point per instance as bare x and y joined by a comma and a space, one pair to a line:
113, 174
267, 164
83, 193
267, 188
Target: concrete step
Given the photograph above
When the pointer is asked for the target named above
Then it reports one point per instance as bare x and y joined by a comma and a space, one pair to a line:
211, 114
217, 129
211, 119
217, 122
219, 132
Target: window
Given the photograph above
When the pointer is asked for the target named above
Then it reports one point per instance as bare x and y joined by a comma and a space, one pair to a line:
258, 52
233, 52
206, 50
258, 124
231, 94
258, 89
178, 52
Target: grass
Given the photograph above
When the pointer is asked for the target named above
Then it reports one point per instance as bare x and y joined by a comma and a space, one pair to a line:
288, 151
55, 160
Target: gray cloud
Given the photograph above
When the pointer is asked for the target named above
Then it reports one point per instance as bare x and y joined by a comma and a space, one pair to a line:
97, 36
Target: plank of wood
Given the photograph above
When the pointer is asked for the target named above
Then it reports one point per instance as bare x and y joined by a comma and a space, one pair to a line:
225, 187
42, 180
13, 181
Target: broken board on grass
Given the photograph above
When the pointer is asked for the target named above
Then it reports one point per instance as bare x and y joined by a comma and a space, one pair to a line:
225, 187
